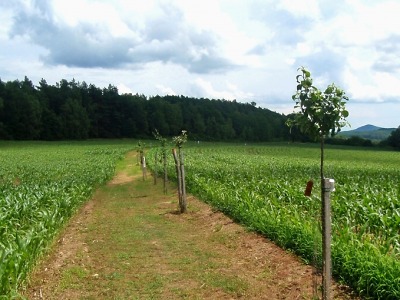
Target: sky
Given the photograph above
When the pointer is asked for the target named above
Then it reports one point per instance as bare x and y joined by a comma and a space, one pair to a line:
243, 50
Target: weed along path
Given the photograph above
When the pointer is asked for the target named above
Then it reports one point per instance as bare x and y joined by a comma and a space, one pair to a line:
129, 242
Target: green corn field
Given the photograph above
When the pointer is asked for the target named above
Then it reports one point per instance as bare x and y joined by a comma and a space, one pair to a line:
41, 186
259, 186
263, 187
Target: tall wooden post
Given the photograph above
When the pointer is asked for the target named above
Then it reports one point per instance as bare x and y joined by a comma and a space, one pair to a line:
155, 167
328, 186
178, 174
180, 169
164, 151
183, 184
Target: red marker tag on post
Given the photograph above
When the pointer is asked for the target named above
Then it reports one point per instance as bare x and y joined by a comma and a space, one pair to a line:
309, 187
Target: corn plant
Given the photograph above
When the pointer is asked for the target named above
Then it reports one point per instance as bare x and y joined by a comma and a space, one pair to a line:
262, 187
41, 186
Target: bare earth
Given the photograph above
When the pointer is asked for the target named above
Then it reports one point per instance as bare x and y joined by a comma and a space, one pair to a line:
210, 258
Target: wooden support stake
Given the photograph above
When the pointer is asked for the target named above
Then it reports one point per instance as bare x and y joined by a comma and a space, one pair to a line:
183, 184
165, 171
155, 167
178, 174
328, 186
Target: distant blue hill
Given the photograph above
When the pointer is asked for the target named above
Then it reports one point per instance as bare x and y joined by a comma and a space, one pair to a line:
370, 132
367, 127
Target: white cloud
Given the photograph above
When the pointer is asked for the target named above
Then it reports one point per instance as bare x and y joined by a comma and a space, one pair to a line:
6, 22
304, 8
227, 91
123, 89
165, 90
206, 89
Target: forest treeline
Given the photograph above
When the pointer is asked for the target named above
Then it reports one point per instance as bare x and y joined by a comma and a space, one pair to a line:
71, 110
77, 110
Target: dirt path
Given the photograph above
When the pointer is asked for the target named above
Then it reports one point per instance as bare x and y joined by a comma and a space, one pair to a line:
128, 242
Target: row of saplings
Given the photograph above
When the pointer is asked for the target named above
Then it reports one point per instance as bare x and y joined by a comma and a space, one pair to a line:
162, 158
317, 114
